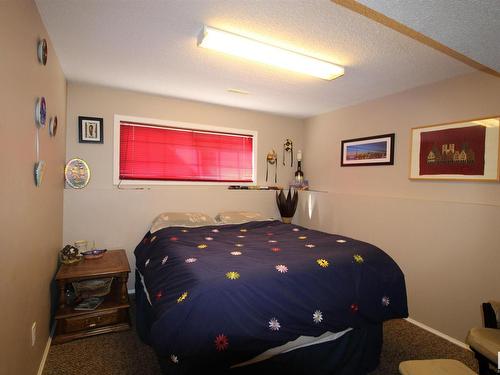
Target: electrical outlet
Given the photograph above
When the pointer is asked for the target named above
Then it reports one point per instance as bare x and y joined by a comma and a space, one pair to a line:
33, 334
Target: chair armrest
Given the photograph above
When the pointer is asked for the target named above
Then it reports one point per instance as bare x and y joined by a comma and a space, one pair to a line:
490, 318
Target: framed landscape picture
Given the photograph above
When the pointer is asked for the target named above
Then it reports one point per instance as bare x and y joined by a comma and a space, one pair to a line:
466, 150
376, 150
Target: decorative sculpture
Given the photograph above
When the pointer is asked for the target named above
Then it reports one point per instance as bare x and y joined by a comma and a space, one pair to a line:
288, 148
272, 159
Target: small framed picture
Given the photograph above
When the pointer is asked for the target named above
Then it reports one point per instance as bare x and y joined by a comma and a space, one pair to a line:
90, 129
376, 150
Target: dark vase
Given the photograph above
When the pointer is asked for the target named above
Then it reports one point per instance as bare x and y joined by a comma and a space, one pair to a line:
287, 205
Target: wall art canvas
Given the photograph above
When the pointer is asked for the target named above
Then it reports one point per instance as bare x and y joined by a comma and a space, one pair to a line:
467, 150
375, 150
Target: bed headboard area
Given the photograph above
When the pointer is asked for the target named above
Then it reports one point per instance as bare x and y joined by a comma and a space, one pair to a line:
118, 217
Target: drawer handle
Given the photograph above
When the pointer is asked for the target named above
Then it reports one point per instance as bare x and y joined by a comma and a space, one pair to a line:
92, 325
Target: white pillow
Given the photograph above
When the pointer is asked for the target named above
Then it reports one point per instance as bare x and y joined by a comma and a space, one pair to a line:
239, 217
180, 219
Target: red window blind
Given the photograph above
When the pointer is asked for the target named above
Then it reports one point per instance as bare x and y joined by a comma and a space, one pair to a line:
149, 152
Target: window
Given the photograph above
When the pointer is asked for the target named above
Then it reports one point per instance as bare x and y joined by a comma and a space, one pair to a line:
159, 152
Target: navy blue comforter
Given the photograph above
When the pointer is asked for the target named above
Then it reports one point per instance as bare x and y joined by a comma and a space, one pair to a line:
223, 294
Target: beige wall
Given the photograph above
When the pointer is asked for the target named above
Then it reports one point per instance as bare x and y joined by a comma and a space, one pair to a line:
444, 235
30, 217
119, 218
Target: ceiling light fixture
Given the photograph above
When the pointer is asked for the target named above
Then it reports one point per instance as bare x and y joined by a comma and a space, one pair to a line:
254, 50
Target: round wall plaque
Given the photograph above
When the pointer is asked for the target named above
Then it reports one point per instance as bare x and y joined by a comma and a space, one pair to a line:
53, 126
40, 112
42, 51
77, 173
39, 172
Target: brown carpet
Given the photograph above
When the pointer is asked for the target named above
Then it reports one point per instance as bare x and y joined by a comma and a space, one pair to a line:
124, 354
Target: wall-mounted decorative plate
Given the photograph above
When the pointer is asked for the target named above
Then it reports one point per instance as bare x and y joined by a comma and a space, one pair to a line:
42, 51
39, 171
77, 173
40, 112
53, 126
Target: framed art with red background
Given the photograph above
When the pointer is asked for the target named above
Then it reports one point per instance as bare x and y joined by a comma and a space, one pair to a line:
466, 150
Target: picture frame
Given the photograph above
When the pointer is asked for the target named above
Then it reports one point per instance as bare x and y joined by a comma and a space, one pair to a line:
465, 150
368, 151
90, 129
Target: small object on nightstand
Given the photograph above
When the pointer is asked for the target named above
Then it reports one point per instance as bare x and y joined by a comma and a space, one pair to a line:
81, 245
94, 254
69, 255
92, 288
89, 304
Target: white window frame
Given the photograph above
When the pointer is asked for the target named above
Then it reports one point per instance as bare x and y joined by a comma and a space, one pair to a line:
183, 125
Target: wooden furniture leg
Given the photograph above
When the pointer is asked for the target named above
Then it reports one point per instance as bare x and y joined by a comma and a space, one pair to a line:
62, 293
123, 280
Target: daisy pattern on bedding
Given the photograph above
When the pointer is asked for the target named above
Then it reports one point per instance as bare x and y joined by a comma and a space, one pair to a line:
274, 325
197, 304
182, 297
281, 268
358, 258
232, 275
323, 262
174, 358
317, 316
202, 246
221, 342
385, 301
158, 295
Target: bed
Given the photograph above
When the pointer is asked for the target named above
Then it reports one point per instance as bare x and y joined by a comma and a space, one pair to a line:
264, 295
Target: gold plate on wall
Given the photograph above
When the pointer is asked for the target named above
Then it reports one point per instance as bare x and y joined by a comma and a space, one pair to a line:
77, 173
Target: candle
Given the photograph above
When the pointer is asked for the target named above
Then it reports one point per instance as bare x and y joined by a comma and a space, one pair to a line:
299, 155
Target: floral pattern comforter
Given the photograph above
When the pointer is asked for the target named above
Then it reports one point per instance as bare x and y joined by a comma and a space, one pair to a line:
223, 294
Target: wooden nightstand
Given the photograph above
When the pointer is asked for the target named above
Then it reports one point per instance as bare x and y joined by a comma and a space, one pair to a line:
113, 313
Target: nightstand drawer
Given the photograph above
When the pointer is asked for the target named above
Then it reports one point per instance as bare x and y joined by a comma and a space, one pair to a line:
85, 322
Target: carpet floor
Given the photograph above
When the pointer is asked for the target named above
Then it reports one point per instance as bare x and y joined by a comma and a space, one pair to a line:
123, 353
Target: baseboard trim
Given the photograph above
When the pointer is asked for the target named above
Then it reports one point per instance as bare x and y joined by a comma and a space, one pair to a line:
438, 333
46, 351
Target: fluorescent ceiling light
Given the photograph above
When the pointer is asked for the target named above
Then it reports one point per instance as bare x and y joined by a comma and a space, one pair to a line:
250, 49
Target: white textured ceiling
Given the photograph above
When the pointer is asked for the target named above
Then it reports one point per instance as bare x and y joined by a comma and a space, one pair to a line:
150, 46
471, 27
